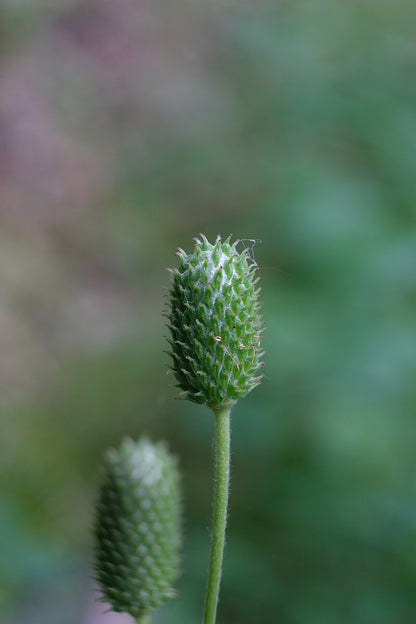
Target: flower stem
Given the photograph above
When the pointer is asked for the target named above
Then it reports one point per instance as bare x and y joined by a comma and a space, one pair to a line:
222, 476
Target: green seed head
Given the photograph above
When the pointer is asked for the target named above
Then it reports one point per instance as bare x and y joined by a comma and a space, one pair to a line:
215, 324
137, 527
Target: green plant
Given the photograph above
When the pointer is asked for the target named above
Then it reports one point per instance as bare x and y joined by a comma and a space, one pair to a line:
137, 528
215, 340
215, 328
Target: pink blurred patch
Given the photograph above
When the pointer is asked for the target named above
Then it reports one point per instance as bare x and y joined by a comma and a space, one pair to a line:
99, 613
46, 176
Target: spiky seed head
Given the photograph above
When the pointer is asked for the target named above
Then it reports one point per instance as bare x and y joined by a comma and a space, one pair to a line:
137, 527
215, 323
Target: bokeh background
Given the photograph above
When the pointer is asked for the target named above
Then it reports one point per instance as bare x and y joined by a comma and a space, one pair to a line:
126, 128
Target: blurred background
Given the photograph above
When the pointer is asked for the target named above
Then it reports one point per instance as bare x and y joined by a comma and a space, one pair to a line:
126, 128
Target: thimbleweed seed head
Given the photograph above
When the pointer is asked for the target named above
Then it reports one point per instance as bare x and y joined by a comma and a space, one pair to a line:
137, 527
215, 323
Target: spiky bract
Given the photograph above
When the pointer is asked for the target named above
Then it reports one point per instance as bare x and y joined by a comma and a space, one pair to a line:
137, 527
215, 323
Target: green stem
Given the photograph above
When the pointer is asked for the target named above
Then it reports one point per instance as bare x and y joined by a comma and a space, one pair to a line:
144, 619
222, 477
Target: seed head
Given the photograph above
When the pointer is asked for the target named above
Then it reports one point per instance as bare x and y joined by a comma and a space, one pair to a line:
137, 527
215, 324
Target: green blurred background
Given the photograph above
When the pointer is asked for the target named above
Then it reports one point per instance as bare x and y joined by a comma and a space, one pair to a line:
126, 128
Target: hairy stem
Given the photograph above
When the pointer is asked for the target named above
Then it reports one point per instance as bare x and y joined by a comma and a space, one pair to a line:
222, 477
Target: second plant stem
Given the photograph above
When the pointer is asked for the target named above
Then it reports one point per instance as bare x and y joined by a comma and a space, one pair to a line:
222, 478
